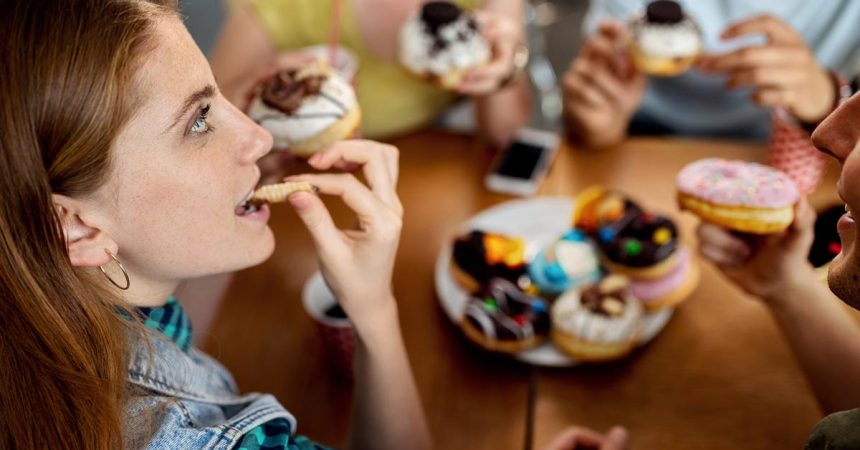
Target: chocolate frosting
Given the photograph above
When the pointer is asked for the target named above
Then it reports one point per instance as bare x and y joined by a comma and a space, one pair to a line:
600, 301
470, 255
285, 93
630, 236
631, 240
664, 12
509, 310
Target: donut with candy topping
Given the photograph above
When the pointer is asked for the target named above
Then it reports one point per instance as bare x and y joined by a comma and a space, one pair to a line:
630, 240
502, 318
479, 256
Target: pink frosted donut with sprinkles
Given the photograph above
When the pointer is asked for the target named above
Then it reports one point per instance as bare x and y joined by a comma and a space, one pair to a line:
738, 195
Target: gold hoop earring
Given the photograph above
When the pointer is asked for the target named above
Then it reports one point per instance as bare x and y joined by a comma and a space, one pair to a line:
124, 273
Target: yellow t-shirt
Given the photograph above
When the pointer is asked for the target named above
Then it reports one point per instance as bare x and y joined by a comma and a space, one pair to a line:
392, 101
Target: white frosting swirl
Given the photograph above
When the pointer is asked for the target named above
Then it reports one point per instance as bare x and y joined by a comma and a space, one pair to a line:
316, 113
572, 317
668, 41
464, 47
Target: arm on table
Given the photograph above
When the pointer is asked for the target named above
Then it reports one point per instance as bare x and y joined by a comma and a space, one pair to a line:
822, 334
357, 265
501, 111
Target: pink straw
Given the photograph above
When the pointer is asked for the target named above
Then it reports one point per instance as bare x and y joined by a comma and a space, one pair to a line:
334, 32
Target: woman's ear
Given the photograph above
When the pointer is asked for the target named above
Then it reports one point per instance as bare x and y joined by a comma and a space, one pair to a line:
85, 242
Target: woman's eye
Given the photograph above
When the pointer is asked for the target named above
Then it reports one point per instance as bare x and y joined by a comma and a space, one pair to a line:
200, 125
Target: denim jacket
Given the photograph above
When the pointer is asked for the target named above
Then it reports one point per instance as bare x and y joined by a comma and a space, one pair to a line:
187, 400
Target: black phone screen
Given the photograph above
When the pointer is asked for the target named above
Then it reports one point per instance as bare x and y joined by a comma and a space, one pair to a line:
520, 160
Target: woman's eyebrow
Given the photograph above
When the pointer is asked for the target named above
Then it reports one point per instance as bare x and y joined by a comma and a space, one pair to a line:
206, 92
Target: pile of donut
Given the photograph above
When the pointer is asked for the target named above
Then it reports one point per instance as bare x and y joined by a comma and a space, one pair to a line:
590, 290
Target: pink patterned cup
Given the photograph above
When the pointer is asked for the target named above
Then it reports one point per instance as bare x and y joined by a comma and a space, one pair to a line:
334, 328
792, 152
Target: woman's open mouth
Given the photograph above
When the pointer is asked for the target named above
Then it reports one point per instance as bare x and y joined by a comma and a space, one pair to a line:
252, 208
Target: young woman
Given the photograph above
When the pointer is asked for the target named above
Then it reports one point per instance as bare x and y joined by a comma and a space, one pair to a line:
123, 173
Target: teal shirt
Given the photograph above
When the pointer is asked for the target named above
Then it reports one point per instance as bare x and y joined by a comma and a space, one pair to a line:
276, 434
700, 105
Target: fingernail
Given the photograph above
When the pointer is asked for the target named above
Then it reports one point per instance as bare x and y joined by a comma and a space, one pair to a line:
314, 159
300, 200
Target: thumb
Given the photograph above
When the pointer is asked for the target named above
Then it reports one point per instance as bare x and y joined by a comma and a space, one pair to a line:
315, 216
616, 439
802, 230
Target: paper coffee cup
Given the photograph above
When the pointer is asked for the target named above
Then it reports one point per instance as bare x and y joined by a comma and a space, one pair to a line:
337, 333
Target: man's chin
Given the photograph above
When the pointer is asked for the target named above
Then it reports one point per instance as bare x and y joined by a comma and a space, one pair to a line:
844, 280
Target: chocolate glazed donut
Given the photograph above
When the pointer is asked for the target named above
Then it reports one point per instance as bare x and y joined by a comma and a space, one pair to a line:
503, 318
638, 239
470, 255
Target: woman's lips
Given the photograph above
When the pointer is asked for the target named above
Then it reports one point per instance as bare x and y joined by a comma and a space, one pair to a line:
260, 213
846, 222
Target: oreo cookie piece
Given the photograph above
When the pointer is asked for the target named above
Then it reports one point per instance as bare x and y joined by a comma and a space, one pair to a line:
664, 12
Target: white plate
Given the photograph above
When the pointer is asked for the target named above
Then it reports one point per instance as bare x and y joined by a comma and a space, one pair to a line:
538, 220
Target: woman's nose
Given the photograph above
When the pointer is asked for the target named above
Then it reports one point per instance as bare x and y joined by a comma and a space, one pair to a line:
838, 133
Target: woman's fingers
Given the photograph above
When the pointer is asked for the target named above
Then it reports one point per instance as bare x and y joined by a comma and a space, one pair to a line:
718, 245
600, 78
575, 437
779, 77
581, 89
776, 31
752, 57
379, 164
316, 218
369, 210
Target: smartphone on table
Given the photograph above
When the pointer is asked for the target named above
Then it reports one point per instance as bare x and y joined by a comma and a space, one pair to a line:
520, 167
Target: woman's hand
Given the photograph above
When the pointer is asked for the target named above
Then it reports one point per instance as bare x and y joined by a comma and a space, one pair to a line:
602, 90
357, 264
576, 438
769, 267
782, 72
504, 35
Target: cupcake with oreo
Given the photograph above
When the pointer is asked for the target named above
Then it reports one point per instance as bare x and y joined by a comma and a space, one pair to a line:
307, 109
440, 42
664, 41
599, 322
502, 318
567, 263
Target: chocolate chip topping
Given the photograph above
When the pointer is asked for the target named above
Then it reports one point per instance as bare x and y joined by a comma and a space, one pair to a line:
664, 12
607, 302
285, 93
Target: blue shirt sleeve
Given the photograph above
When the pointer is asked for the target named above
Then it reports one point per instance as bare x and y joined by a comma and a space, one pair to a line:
275, 435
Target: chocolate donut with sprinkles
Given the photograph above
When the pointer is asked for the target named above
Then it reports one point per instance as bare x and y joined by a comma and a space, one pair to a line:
502, 318
630, 240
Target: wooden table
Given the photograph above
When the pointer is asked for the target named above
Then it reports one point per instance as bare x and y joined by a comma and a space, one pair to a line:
718, 376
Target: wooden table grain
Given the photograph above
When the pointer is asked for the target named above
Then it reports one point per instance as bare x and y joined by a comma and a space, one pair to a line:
718, 376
